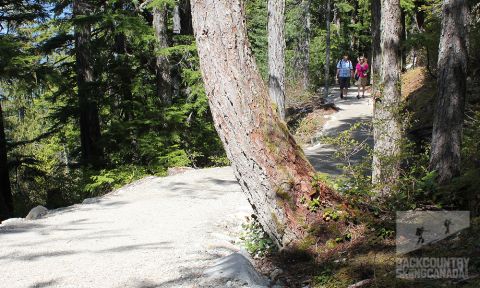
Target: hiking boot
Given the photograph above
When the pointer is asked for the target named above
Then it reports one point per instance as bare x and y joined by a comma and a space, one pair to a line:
358, 96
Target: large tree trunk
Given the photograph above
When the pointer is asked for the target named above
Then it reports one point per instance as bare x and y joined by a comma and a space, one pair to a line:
450, 102
89, 118
270, 167
376, 48
387, 118
164, 77
327, 50
6, 199
276, 54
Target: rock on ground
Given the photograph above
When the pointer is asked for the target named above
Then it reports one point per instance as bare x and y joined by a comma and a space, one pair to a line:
235, 270
37, 213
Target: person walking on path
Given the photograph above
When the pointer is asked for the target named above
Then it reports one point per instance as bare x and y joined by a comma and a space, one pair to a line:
344, 73
361, 75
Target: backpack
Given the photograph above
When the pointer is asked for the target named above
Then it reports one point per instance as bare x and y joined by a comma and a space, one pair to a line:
340, 61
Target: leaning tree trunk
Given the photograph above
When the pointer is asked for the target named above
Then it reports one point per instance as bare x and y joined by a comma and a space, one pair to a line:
276, 54
387, 119
6, 199
327, 50
89, 118
164, 77
270, 167
452, 83
376, 50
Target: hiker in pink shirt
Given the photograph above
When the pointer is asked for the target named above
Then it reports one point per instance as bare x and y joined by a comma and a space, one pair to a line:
361, 75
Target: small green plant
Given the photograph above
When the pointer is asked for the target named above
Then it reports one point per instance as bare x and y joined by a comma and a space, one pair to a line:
324, 277
314, 204
330, 214
255, 240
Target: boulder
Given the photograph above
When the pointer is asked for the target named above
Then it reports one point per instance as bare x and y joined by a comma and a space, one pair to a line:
90, 201
236, 270
37, 213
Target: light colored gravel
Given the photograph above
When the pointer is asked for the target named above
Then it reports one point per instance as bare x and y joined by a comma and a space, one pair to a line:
157, 232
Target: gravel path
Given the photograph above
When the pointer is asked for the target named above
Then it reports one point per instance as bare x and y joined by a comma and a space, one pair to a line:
352, 110
158, 232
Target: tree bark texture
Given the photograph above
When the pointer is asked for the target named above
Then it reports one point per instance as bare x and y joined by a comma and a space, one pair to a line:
276, 54
376, 50
452, 83
387, 115
327, 49
182, 18
164, 76
270, 167
6, 199
87, 98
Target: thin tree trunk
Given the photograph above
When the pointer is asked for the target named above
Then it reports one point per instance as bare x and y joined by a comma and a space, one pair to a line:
186, 18
452, 83
177, 24
376, 50
327, 50
337, 20
270, 167
164, 77
387, 119
304, 45
276, 54
6, 199
353, 22
403, 39
125, 75
89, 117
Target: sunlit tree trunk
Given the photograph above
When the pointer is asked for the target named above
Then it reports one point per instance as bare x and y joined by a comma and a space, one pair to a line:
270, 167
452, 83
87, 98
6, 201
327, 50
164, 77
276, 54
387, 121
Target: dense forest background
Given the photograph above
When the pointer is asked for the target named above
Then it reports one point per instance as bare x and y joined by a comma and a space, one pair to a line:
75, 130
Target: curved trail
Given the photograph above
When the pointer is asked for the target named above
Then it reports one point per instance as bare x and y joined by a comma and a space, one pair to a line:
352, 110
157, 232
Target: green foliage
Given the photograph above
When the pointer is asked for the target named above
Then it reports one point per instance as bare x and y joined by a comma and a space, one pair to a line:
355, 155
255, 240
108, 180
140, 135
